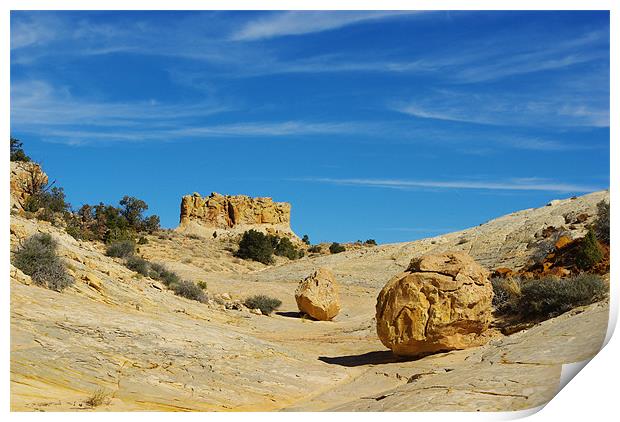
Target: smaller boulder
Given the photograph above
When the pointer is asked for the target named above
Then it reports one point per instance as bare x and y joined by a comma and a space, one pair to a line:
317, 295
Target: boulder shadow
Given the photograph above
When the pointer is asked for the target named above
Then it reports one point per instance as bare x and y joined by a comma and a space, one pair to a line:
371, 358
297, 315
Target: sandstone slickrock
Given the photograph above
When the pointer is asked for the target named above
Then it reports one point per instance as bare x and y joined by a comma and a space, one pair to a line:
317, 295
25, 176
240, 212
442, 302
154, 350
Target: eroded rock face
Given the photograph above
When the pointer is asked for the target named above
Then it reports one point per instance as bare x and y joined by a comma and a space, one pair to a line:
229, 212
25, 177
441, 302
317, 295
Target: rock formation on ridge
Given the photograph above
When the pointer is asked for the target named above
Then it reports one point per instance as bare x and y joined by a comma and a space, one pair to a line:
26, 176
233, 213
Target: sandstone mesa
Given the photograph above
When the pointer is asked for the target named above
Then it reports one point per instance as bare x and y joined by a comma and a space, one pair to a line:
217, 214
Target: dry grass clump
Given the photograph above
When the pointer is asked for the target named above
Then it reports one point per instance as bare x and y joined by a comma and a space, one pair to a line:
121, 249
98, 398
266, 304
546, 297
37, 258
189, 290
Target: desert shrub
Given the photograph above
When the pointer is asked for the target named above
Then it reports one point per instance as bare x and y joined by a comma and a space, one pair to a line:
602, 222
506, 293
546, 297
286, 248
37, 258
139, 265
132, 209
273, 240
142, 240
371, 242
98, 398
550, 296
161, 273
202, 284
589, 253
336, 248
306, 239
189, 290
51, 201
111, 224
256, 246
77, 230
17, 152
120, 249
314, 249
266, 304
151, 224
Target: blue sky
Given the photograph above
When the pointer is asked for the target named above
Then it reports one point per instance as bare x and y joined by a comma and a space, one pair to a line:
386, 125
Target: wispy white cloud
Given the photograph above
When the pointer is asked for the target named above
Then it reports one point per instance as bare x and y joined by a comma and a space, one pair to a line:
470, 61
506, 57
55, 115
305, 22
39, 103
246, 130
511, 185
542, 108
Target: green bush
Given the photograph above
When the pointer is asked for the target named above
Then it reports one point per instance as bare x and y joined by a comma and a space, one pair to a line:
266, 304
372, 242
506, 294
202, 284
142, 240
256, 246
602, 222
51, 201
121, 249
306, 239
111, 224
139, 265
286, 248
151, 224
589, 254
546, 297
336, 248
314, 249
161, 273
189, 290
17, 152
37, 258
77, 231
549, 296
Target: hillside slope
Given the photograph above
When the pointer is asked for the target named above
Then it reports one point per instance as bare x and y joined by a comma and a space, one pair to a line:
147, 349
